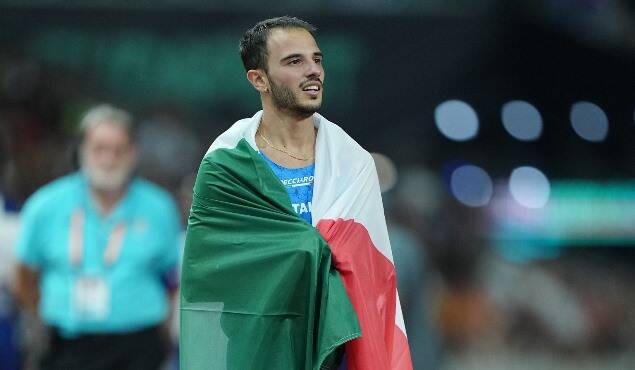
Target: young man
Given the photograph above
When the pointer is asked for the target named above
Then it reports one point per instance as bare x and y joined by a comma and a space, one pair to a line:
287, 258
94, 250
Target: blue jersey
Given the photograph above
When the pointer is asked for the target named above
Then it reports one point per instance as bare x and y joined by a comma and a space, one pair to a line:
299, 185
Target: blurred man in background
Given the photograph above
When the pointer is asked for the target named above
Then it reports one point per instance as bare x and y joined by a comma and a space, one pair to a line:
95, 250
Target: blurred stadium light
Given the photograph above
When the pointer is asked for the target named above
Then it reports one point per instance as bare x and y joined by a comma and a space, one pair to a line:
522, 120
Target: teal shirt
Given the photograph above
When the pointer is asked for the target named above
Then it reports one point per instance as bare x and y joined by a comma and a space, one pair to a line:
149, 251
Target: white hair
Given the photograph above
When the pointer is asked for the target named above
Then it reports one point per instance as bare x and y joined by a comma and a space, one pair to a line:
107, 113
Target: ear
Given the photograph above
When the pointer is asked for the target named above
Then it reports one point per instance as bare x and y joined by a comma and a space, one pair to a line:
134, 152
258, 80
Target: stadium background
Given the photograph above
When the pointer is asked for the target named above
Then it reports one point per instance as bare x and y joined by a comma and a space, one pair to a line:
509, 130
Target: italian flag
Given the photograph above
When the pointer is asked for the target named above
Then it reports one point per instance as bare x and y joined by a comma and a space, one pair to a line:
262, 289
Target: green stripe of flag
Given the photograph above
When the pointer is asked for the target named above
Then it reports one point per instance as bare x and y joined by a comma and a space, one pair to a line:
258, 288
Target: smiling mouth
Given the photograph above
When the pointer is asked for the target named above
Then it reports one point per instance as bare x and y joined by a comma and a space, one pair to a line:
312, 86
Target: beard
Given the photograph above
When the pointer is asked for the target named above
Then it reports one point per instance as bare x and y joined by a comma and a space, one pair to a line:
107, 180
284, 99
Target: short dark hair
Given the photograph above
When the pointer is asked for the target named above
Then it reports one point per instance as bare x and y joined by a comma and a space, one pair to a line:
253, 45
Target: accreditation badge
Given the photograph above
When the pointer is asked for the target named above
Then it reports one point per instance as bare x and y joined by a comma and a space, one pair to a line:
91, 298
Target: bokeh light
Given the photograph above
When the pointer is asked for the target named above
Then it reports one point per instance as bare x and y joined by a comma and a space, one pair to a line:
386, 171
522, 120
456, 120
471, 185
589, 121
529, 187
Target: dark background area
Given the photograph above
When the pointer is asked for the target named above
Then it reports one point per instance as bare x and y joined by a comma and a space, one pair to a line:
496, 285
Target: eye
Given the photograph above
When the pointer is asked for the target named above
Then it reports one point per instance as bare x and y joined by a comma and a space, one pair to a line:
318, 60
295, 61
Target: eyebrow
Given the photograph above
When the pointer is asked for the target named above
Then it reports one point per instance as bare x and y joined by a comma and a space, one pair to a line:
316, 54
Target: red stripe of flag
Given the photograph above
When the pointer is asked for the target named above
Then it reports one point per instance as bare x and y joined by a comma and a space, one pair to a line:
370, 281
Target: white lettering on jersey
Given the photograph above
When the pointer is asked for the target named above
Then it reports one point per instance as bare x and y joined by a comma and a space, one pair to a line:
303, 208
298, 181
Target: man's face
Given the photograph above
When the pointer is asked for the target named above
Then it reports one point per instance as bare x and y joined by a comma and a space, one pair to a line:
295, 71
107, 156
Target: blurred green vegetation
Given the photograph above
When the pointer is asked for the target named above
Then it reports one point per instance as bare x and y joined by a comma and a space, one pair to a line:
189, 68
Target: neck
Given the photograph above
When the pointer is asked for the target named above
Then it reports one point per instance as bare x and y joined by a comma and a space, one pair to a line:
107, 199
295, 133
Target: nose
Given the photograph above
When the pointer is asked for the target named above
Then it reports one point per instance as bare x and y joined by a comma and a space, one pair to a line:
314, 69
108, 157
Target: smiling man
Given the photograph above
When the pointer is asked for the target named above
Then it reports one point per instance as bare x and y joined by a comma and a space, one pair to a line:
287, 71
287, 262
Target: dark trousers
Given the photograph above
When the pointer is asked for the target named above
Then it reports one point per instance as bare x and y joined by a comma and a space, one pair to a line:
140, 350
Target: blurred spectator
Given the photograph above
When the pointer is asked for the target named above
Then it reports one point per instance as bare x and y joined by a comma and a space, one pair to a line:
413, 276
94, 251
8, 229
557, 316
413, 281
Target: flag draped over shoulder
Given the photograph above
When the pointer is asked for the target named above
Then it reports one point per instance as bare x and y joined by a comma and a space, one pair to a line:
262, 289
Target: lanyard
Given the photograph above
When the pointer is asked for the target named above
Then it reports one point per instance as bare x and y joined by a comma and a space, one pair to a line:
76, 240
